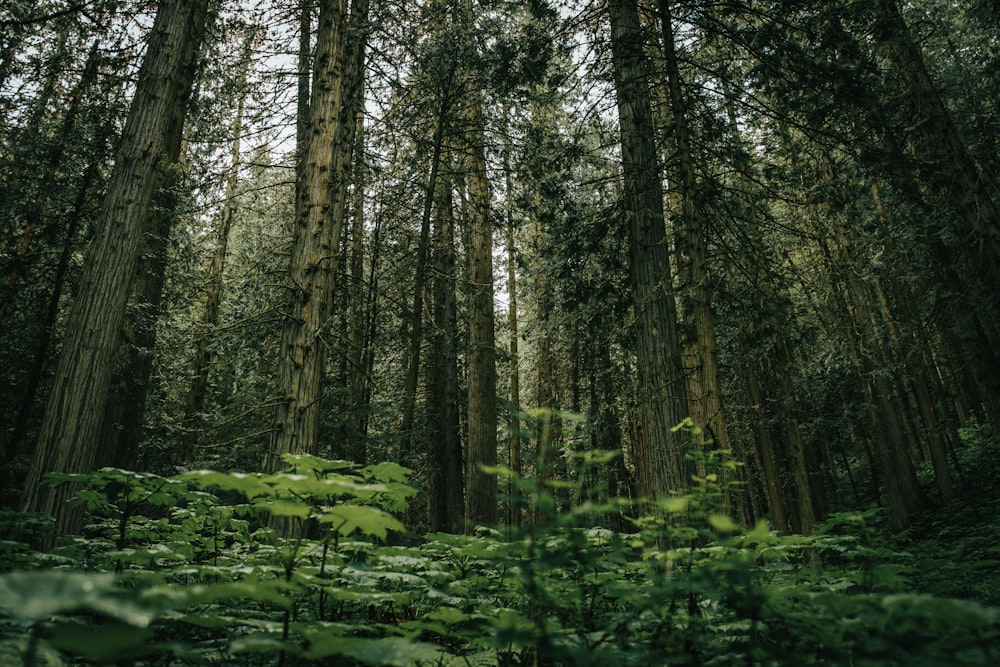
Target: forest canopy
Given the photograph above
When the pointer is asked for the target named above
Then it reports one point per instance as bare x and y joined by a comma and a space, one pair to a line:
709, 275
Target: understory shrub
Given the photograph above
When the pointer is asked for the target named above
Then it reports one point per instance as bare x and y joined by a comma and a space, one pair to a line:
310, 565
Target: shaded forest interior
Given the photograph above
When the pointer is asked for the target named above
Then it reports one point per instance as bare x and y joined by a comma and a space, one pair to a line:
469, 236
495, 332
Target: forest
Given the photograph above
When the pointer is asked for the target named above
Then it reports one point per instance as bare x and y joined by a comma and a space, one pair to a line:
500, 332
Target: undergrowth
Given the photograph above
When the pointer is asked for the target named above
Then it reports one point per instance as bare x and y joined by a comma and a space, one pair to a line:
189, 570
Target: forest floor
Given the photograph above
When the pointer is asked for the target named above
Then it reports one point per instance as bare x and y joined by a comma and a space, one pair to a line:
953, 550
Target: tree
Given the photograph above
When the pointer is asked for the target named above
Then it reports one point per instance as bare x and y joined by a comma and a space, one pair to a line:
661, 398
150, 145
319, 220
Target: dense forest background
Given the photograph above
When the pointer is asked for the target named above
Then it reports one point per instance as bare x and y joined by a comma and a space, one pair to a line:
484, 332
435, 232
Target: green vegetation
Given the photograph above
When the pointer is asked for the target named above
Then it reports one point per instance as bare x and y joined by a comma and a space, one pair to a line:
188, 570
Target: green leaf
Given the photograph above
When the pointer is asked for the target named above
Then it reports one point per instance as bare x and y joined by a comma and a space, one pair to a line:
108, 642
388, 472
284, 507
32, 596
308, 462
345, 519
395, 651
723, 523
251, 486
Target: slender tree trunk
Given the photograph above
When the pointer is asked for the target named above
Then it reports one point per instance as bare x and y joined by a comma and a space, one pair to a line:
356, 376
445, 497
68, 439
957, 183
71, 243
662, 399
320, 209
904, 494
769, 461
417, 314
706, 399
481, 487
516, 505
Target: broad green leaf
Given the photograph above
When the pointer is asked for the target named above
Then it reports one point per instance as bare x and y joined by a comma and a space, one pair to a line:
388, 472
304, 462
251, 486
103, 643
32, 596
395, 651
345, 519
284, 507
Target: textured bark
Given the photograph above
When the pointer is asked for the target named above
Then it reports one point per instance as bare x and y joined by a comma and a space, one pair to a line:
445, 497
481, 490
319, 220
662, 399
705, 393
68, 439
126, 405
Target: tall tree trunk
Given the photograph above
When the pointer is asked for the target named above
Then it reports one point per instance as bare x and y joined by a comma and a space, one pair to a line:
516, 504
319, 211
150, 145
445, 496
662, 399
417, 314
904, 495
957, 183
481, 487
691, 256
357, 373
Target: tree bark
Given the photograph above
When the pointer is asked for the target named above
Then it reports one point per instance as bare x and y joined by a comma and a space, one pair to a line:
319, 210
706, 398
662, 399
445, 496
68, 439
481, 487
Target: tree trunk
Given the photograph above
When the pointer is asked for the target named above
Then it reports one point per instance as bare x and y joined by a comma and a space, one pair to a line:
516, 504
481, 487
150, 144
319, 210
702, 355
662, 399
417, 314
75, 217
126, 405
445, 497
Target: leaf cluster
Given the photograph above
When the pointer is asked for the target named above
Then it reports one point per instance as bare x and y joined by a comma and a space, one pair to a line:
200, 576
